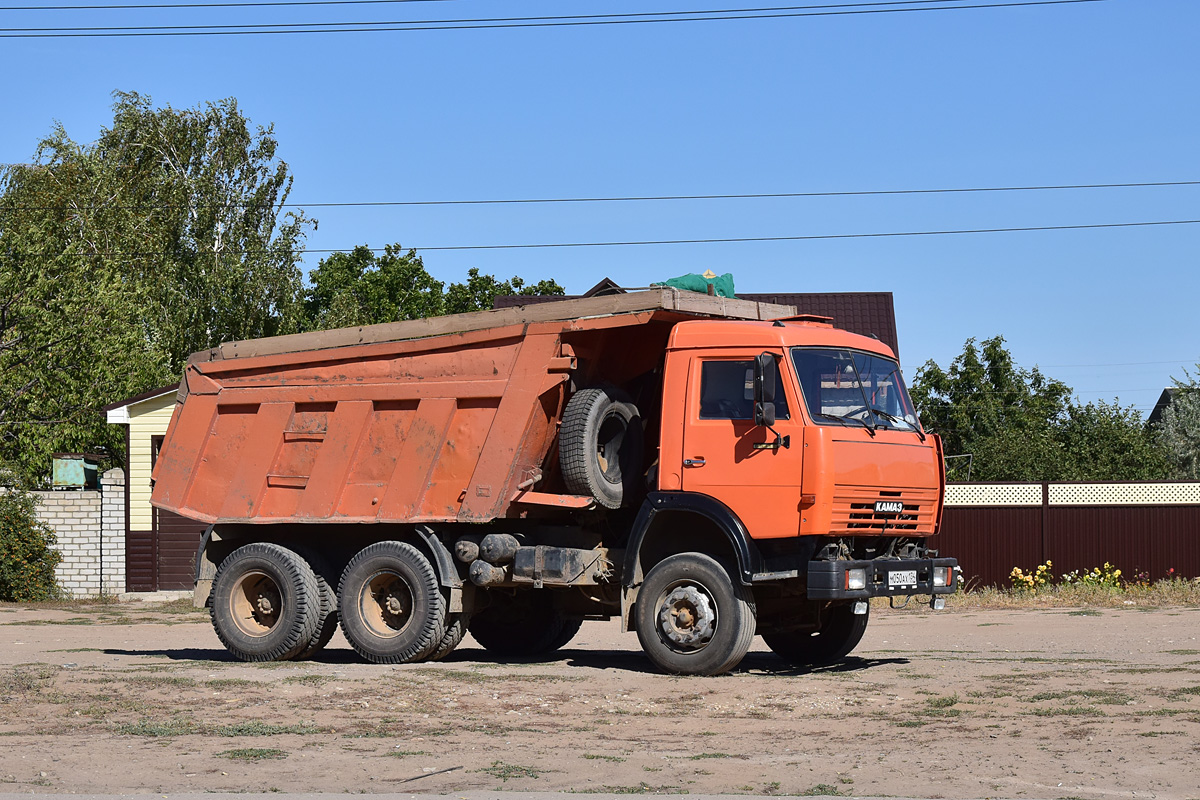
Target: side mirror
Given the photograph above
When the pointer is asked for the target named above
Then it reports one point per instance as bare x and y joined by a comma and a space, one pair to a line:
766, 376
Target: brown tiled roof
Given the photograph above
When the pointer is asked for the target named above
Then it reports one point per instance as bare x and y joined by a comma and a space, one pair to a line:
868, 313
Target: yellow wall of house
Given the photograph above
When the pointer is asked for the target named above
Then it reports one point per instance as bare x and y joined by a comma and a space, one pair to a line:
146, 419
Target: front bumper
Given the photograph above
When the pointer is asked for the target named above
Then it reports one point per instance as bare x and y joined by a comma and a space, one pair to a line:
827, 579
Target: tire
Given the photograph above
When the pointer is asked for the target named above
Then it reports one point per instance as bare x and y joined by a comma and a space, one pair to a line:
692, 618
840, 632
456, 629
523, 626
597, 422
265, 603
391, 607
327, 617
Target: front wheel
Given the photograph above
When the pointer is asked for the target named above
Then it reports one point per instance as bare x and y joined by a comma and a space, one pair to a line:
692, 618
391, 606
840, 632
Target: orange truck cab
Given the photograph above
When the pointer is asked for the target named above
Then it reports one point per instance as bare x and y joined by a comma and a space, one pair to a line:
706, 469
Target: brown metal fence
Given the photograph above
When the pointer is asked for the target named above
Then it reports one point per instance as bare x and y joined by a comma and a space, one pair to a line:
1140, 528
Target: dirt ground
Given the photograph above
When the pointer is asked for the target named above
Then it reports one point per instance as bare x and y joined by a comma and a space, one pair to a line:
1053, 703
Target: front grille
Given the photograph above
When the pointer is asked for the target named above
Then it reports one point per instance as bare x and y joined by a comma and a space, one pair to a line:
854, 511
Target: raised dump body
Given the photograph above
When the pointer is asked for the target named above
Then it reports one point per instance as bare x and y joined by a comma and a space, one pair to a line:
705, 469
439, 420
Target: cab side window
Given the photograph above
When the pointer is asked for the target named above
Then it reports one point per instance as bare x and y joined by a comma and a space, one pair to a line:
727, 391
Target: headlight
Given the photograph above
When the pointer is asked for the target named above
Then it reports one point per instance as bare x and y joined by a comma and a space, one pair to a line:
941, 576
856, 578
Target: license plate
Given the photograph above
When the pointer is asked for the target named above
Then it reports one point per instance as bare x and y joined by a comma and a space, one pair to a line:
889, 506
905, 577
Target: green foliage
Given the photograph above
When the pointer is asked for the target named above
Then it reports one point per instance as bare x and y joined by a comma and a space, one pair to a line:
121, 257
1178, 432
1107, 576
1020, 425
27, 557
365, 288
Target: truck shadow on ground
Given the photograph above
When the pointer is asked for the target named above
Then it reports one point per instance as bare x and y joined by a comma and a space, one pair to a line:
622, 660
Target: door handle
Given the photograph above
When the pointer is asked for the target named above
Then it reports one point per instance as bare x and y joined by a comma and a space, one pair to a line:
694, 462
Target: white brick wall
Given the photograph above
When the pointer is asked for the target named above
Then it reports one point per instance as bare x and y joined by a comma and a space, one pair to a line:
90, 526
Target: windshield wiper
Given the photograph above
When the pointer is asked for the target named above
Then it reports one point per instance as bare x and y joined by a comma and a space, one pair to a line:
846, 418
891, 418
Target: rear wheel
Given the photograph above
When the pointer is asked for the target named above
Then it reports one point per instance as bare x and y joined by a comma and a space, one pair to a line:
391, 606
327, 617
840, 632
693, 619
456, 629
529, 624
265, 603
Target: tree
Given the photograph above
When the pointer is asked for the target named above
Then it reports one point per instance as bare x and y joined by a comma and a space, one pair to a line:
1178, 432
1020, 425
121, 257
27, 554
365, 288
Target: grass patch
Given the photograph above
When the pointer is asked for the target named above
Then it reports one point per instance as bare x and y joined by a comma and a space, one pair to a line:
1109, 697
1183, 652
253, 754
942, 702
152, 728
229, 683
1084, 612
505, 771
821, 789
1186, 693
257, 728
1068, 711
643, 788
101, 650
600, 757
406, 753
26, 678
309, 680
700, 756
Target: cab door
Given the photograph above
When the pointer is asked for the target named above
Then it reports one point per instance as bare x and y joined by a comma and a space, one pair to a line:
727, 457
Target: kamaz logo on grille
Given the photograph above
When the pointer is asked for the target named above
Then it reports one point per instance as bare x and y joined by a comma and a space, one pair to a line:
889, 507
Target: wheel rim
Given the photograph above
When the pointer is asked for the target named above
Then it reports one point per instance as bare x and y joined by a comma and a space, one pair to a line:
687, 617
608, 446
256, 603
386, 602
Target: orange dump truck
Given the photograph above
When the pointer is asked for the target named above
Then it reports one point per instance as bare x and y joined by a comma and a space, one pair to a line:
704, 468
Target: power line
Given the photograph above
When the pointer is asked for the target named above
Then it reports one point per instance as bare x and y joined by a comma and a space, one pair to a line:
729, 240
485, 24
640, 198
215, 5
272, 3
1126, 364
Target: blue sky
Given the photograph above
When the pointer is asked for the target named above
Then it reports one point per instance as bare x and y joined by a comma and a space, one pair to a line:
1098, 92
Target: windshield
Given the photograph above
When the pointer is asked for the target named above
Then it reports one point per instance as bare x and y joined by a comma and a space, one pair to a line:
852, 387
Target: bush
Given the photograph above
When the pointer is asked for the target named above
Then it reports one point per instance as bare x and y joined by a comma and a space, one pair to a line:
27, 557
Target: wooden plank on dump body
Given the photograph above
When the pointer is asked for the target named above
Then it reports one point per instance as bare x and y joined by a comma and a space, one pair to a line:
655, 298
346, 427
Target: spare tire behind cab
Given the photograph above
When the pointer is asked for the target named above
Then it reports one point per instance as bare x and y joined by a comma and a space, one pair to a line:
600, 446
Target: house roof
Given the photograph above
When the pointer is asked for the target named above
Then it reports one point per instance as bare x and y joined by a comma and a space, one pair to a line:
118, 412
866, 313
1165, 399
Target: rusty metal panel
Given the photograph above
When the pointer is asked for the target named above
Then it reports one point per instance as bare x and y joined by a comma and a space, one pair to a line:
989, 542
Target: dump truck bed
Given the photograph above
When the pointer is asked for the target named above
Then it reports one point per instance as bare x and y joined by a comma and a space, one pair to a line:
434, 420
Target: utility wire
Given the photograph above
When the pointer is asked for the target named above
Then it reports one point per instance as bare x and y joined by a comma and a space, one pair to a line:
216, 5
271, 3
631, 243
413, 25
635, 198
